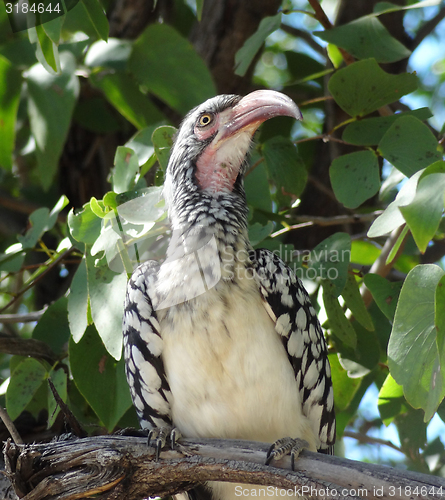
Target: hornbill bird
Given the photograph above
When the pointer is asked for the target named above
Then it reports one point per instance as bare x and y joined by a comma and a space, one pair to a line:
221, 340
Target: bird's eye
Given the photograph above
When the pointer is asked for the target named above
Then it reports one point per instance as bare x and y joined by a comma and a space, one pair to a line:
205, 119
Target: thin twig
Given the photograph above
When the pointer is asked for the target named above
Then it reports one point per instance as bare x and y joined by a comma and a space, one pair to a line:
309, 220
327, 25
380, 266
22, 318
254, 166
67, 413
27, 347
365, 439
9, 424
427, 28
39, 277
304, 35
324, 138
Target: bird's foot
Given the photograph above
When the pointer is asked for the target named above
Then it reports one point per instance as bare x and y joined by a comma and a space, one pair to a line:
159, 436
286, 446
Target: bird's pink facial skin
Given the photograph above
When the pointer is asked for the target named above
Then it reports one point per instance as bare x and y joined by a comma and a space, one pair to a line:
220, 163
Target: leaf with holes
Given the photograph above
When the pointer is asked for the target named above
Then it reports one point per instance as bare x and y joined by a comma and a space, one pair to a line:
366, 37
99, 378
355, 177
285, 169
26, 379
369, 132
168, 67
363, 87
409, 145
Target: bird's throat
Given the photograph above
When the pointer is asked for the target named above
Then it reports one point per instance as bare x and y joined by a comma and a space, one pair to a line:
221, 162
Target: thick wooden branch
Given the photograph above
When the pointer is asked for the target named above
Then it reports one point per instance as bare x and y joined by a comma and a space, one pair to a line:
123, 467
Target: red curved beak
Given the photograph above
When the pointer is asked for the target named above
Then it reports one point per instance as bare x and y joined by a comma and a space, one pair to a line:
254, 109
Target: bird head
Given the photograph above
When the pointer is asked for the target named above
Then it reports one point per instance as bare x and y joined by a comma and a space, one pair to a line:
208, 158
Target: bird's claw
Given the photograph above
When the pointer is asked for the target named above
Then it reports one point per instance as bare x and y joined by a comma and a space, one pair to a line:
286, 446
158, 437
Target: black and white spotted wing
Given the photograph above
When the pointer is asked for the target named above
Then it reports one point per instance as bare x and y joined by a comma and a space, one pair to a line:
288, 303
143, 349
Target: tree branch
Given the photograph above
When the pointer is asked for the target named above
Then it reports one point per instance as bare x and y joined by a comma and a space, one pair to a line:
426, 29
22, 318
312, 220
50, 266
121, 465
304, 35
27, 347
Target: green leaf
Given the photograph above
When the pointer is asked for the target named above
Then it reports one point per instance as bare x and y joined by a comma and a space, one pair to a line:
385, 7
258, 232
62, 202
52, 22
59, 379
106, 291
354, 302
78, 301
41, 220
95, 373
9, 103
302, 67
424, 213
97, 17
366, 37
126, 166
413, 357
141, 144
167, 65
330, 260
26, 379
439, 319
112, 54
355, 177
12, 262
38, 221
393, 252
369, 132
199, 7
385, 293
409, 145
364, 357
84, 225
51, 101
98, 208
53, 328
122, 91
246, 54
99, 378
363, 87
391, 400
338, 322
285, 168
162, 139
392, 218
47, 52
345, 386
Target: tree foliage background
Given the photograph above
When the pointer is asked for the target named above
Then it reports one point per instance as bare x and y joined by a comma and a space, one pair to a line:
352, 198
